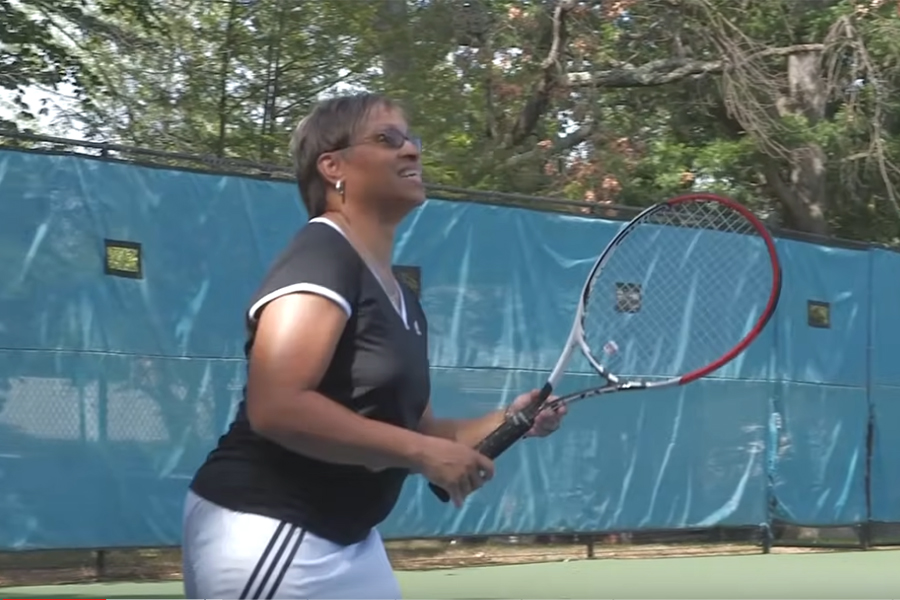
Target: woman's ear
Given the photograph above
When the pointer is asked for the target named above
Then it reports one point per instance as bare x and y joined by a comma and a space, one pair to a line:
330, 168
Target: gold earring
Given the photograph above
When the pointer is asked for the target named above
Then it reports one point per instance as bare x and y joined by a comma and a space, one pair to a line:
339, 186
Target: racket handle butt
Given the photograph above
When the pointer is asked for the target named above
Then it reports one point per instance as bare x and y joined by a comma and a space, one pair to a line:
493, 446
507, 434
440, 492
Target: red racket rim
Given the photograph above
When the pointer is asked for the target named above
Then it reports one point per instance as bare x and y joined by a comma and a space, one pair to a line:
774, 295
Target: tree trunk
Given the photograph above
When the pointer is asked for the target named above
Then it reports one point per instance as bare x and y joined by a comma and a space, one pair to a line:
224, 77
801, 187
395, 43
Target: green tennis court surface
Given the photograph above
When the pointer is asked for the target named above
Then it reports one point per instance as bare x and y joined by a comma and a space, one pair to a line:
859, 575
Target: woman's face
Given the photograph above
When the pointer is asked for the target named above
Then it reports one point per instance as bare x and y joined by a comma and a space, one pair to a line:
383, 165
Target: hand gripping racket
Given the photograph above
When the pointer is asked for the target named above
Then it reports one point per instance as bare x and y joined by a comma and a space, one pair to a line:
680, 291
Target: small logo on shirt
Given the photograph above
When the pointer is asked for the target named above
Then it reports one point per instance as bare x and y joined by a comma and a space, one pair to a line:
416, 327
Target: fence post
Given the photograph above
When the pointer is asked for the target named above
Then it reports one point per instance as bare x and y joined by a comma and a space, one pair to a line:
865, 531
100, 564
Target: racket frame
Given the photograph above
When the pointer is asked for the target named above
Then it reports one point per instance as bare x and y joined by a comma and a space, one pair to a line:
519, 423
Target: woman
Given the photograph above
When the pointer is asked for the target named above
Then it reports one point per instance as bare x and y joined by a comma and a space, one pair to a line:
336, 411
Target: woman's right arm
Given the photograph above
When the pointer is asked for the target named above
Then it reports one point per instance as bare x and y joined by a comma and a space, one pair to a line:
295, 340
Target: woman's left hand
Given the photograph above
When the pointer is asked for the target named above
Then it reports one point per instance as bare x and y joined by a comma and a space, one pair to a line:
547, 421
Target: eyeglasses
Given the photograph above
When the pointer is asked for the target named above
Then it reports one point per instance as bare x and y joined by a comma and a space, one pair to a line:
391, 138
394, 139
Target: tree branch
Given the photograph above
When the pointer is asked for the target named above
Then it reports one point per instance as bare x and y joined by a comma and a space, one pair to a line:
537, 104
561, 145
670, 70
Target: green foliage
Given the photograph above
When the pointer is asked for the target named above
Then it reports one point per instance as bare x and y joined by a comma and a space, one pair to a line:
496, 109
35, 48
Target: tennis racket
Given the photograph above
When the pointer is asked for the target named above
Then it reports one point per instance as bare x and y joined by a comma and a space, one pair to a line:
680, 291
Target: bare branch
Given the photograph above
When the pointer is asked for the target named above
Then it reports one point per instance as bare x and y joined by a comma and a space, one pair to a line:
670, 70
877, 149
537, 104
561, 145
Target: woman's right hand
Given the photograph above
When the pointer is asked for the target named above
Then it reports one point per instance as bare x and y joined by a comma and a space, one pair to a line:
455, 467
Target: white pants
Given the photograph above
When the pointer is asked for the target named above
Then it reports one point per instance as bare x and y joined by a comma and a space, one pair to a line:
235, 555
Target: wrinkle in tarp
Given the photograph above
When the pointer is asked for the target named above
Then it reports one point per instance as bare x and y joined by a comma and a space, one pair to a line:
113, 390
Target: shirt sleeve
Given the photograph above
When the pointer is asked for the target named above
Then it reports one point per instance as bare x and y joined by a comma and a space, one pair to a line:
317, 261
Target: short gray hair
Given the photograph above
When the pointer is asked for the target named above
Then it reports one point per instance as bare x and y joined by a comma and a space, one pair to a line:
330, 126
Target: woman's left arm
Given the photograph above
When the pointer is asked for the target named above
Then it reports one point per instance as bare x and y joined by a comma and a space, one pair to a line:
472, 431
464, 431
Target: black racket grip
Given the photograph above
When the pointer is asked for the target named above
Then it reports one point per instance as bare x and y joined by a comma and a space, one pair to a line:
507, 434
441, 494
494, 445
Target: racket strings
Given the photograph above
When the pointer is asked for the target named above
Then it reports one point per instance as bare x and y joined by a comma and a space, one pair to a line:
680, 290
713, 216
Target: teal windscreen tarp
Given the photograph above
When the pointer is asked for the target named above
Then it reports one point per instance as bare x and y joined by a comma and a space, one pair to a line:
113, 389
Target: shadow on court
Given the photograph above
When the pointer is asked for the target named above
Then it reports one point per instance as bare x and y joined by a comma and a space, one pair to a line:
816, 576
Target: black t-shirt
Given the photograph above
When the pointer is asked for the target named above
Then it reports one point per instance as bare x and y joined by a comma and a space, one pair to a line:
379, 369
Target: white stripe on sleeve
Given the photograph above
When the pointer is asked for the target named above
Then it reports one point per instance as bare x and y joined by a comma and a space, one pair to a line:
300, 288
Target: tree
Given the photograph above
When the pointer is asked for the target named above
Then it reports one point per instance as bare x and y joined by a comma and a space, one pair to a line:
787, 105
34, 49
227, 78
